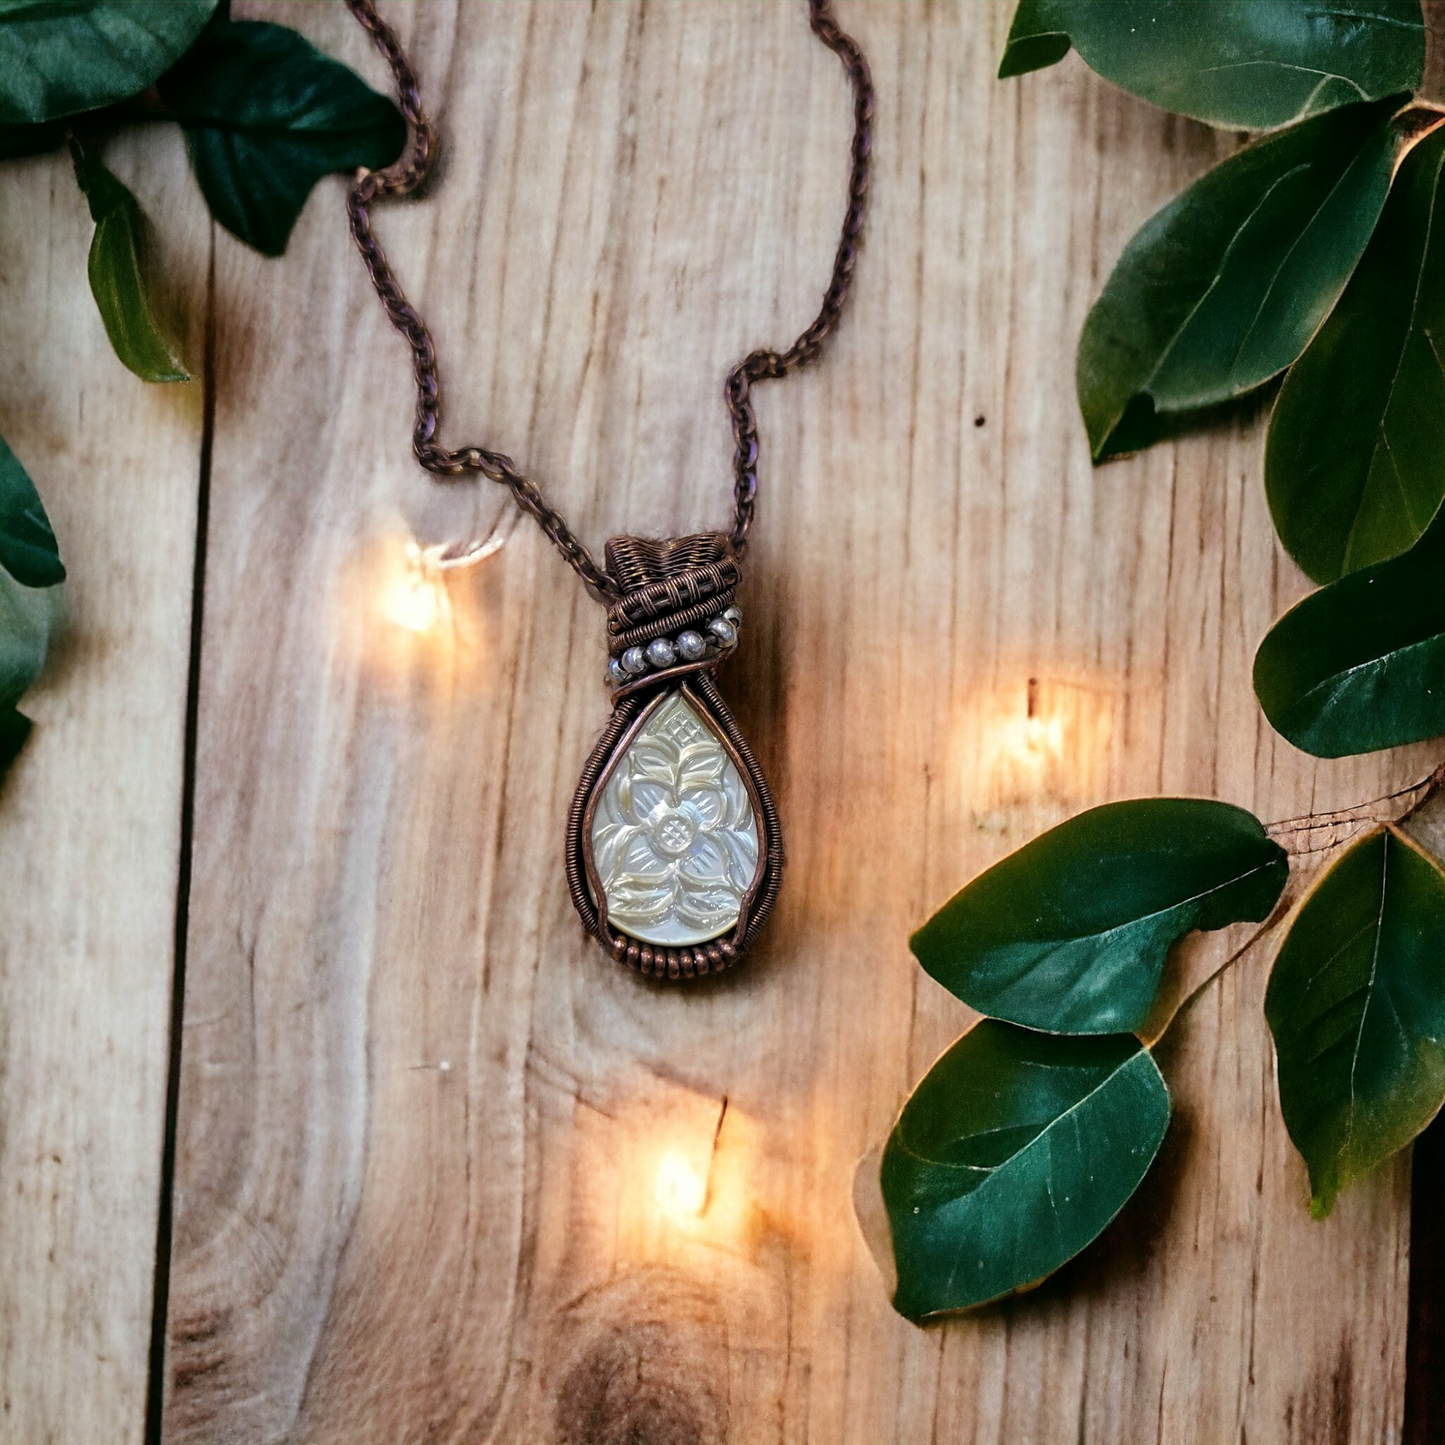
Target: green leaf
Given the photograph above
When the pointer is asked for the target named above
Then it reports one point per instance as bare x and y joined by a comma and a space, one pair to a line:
1069, 933
1360, 664
1355, 466
28, 616
1224, 287
14, 729
1252, 64
27, 545
1356, 1004
266, 116
1015, 1152
115, 273
60, 57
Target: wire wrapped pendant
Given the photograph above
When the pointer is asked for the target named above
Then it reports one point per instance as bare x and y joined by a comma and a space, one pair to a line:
674, 849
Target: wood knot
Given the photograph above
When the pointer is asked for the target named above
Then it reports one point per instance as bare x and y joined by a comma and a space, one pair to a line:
646, 1366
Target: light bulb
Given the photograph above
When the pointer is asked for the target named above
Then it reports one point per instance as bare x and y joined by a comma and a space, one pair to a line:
415, 598
680, 1190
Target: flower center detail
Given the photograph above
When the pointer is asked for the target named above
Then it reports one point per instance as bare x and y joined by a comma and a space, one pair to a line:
673, 833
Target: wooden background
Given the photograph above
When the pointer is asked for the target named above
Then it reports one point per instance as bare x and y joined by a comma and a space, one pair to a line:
417, 1119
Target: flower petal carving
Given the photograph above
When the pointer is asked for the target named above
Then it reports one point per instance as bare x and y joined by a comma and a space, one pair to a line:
674, 836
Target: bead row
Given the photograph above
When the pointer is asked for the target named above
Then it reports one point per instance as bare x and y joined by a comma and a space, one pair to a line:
687, 646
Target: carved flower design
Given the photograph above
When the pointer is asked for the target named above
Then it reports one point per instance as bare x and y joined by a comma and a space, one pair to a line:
674, 840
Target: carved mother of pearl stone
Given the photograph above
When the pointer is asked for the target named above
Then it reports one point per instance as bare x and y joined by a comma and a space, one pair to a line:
674, 834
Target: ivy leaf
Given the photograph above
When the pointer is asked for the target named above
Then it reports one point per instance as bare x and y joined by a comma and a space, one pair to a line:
1253, 66
14, 729
27, 545
1356, 1004
1015, 1152
60, 57
115, 273
266, 116
1360, 664
1069, 933
27, 618
1224, 287
1355, 466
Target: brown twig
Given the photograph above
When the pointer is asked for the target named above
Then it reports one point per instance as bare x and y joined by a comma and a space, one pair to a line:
1359, 815
1356, 820
1276, 916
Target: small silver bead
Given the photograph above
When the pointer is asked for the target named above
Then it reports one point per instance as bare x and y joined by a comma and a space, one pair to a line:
723, 630
734, 616
634, 660
691, 644
616, 672
661, 653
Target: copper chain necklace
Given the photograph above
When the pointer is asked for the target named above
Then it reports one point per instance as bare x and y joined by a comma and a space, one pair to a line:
674, 851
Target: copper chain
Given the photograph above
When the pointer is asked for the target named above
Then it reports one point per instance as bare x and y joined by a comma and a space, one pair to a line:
408, 172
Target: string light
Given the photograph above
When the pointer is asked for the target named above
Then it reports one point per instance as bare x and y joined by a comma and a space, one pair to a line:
679, 1189
1024, 746
415, 597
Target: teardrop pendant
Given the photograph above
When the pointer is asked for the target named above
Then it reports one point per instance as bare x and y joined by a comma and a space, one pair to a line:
674, 850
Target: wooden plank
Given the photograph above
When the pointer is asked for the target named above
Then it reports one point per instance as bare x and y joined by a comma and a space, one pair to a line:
90, 818
435, 1151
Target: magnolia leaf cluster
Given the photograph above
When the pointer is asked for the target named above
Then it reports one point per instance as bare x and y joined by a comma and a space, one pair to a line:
1312, 254
265, 115
1315, 253
1031, 1133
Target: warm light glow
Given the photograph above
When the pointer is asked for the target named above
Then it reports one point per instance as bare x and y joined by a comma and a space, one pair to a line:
415, 598
1031, 750
1027, 743
680, 1190
1038, 737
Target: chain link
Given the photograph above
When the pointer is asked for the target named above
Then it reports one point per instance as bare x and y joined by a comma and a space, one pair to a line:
408, 172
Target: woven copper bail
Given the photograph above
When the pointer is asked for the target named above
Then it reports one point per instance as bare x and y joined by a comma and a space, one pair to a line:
669, 587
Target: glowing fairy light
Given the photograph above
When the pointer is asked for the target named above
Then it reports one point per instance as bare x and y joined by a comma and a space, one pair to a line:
1031, 742
679, 1189
1039, 738
415, 596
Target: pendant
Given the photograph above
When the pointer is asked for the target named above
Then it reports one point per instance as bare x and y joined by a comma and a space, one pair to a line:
674, 849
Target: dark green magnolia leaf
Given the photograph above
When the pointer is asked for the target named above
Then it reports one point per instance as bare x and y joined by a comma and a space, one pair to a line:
1356, 1003
266, 116
60, 57
1355, 467
1069, 933
1224, 287
1254, 64
1013, 1154
28, 616
1360, 664
115, 273
14, 729
27, 545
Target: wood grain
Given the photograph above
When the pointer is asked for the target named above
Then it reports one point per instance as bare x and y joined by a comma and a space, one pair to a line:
421, 1120
90, 817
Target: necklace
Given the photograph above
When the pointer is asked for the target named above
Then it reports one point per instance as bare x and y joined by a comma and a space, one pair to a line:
674, 849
